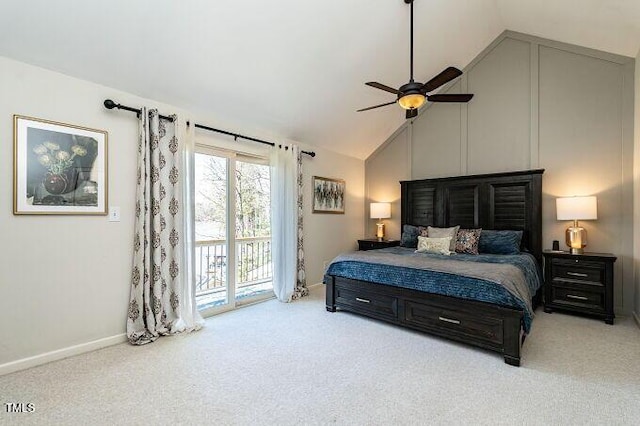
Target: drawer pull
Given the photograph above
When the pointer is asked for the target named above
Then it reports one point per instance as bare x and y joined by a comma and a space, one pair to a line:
452, 321
573, 296
363, 300
577, 274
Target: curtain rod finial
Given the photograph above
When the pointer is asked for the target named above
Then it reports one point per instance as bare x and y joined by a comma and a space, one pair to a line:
109, 104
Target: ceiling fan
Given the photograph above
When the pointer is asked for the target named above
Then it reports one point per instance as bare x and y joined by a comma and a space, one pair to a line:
412, 96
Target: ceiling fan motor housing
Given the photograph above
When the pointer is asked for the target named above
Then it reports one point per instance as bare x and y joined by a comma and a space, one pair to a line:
410, 88
410, 95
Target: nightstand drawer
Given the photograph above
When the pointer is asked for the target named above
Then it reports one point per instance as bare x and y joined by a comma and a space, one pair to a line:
578, 298
368, 302
368, 245
589, 272
374, 244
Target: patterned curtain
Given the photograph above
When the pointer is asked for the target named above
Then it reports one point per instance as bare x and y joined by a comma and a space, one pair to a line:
287, 237
301, 289
157, 304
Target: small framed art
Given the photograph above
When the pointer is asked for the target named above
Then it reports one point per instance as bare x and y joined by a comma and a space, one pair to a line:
328, 195
58, 168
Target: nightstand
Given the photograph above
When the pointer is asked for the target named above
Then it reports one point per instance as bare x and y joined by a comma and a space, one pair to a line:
374, 243
581, 283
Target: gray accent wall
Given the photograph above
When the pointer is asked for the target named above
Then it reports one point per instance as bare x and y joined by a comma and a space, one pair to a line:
499, 119
538, 104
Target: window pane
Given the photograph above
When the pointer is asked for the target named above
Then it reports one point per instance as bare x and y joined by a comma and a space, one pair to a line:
253, 229
211, 228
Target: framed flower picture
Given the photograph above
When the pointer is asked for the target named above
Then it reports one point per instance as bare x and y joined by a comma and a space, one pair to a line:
58, 168
328, 195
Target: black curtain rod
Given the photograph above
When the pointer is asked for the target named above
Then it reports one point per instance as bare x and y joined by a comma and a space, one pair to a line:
109, 104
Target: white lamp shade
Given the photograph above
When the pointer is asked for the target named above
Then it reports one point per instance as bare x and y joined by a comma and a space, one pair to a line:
380, 210
577, 208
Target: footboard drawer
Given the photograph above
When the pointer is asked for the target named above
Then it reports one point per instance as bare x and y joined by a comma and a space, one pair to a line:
367, 302
444, 320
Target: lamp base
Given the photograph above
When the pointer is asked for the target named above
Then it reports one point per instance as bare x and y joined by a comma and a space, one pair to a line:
380, 232
576, 239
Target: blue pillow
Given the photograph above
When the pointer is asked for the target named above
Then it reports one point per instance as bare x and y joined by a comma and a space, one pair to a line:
409, 236
500, 242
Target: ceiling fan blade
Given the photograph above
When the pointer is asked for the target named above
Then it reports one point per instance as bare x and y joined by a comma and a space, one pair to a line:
444, 77
449, 98
411, 113
382, 87
377, 106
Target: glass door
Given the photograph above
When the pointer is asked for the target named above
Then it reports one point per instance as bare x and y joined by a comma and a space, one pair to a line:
253, 229
233, 229
211, 227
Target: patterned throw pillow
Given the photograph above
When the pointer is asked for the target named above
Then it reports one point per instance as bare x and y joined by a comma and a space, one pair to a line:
434, 245
409, 236
444, 232
467, 241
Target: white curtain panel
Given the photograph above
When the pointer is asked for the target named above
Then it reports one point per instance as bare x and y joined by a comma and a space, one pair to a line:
286, 224
190, 318
162, 297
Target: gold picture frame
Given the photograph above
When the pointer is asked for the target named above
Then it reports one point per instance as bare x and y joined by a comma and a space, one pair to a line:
328, 195
58, 168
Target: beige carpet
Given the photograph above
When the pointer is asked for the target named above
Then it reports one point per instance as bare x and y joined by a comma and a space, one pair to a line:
290, 364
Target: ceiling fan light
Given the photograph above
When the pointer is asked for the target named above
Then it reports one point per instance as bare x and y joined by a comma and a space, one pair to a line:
412, 101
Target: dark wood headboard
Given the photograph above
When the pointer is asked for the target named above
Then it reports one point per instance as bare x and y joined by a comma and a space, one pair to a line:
511, 200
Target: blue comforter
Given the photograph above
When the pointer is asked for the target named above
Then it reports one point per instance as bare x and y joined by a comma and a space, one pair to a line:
507, 280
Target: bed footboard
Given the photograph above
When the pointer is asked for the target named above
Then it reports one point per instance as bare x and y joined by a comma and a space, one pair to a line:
480, 324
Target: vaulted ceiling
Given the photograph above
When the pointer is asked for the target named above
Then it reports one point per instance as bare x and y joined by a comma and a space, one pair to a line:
290, 68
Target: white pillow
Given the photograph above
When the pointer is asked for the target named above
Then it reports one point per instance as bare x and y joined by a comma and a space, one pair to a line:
434, 245
444, 232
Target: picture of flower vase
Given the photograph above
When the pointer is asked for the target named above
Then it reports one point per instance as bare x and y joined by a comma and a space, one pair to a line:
60, 183
60, 168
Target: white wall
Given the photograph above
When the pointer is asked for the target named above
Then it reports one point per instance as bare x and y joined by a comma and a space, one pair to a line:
636, 192
64, 280
540, 104
384, 168
327, 235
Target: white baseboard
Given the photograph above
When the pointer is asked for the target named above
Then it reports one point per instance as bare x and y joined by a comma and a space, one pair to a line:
637, 318
23, 364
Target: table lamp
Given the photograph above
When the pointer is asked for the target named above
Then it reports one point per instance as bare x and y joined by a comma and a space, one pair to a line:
575, 209
380, 211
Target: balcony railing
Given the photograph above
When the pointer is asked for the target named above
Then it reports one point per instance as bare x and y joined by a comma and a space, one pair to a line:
253, 260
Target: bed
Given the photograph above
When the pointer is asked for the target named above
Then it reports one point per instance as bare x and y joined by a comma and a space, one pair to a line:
391, 285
